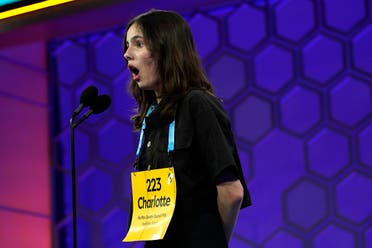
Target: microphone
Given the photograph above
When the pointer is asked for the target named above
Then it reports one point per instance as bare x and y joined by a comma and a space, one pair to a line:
100, 104
87, 98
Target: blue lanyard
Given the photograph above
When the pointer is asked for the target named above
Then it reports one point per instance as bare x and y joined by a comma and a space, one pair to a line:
171, 133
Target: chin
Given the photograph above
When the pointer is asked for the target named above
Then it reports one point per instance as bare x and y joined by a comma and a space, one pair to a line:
141, 85
144, 86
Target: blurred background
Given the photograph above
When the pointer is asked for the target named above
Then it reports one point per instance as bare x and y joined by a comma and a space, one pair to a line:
296, 80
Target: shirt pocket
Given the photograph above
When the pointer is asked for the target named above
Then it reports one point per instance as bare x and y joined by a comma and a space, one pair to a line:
182, 156
183, 139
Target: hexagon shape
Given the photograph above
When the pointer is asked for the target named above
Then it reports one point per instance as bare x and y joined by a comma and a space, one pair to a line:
71, 60
368, 237
82, 147
365, 144
254, 28
123, 103
113, 228
221, 13
294, 18
246, 164
284, 239
95, 189
254, 118
219, 77
83, 228
115, 141
108, 58
127, 184
300, 109
350, 101
362, 53
273, 68
334, 236
322, 58
343, 15
305, 197
328, 153
277, 150
263, 3
239, 242
353, 197
205, 32
65, 105
67, 193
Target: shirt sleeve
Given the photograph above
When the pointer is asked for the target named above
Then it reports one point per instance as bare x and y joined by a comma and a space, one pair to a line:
212, 136
229, 174
215, 141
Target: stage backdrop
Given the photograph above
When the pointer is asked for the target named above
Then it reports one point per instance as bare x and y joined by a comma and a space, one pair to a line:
295, 76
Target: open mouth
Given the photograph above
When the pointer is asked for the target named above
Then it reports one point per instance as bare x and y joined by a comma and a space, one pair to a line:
135, 72
133, 69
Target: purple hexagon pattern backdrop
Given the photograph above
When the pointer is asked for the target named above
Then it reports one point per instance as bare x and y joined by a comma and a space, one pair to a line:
295, 76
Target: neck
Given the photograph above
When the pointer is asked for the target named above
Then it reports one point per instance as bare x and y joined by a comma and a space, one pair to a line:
158, 96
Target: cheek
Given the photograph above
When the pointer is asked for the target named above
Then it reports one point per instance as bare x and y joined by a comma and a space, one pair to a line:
151, 66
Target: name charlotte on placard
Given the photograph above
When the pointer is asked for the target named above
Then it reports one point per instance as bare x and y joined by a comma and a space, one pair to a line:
155, 202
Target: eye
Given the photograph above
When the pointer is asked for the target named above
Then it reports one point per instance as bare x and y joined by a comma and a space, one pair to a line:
140, 43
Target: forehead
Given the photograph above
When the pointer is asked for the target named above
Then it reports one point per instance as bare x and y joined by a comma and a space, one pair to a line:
134, 31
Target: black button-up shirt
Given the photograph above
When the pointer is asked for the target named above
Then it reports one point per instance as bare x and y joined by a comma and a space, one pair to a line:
204, 148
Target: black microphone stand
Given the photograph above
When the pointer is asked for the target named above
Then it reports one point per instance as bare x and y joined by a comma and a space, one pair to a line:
73, 172
100, 104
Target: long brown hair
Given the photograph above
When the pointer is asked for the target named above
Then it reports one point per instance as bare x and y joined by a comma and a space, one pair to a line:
170, 42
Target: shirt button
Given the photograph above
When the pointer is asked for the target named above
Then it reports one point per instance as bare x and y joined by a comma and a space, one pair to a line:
149, 143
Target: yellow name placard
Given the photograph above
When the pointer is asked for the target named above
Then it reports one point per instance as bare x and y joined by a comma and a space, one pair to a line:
154, 200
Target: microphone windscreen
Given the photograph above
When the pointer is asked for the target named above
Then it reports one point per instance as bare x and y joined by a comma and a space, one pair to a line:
88, 96
101, 104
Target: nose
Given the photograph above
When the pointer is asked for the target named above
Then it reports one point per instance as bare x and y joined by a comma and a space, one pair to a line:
127, 55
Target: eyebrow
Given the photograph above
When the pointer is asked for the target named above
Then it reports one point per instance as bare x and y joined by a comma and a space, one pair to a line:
134, 38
